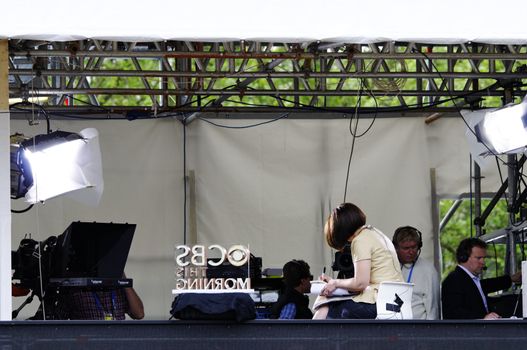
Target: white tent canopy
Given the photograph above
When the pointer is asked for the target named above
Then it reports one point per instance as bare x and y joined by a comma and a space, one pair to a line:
270, 186
446, 22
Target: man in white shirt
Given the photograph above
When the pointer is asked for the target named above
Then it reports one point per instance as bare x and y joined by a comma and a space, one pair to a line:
419, 271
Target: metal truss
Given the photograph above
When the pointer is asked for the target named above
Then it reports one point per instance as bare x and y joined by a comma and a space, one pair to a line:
95, 76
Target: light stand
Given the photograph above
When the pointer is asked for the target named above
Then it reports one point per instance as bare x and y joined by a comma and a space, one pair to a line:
28, 300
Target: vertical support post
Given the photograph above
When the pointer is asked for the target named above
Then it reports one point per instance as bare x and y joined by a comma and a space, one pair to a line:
524, 290
419, 81
5, 192
477, 197
164, 80
435, 219
510, 264
512, 189
192, 225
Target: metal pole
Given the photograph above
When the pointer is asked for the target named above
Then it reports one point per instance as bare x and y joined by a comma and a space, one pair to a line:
512, 170
449, 214
5, 192
477, 197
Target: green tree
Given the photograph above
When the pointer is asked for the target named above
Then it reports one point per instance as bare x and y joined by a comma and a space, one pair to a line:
231, 81
460, 227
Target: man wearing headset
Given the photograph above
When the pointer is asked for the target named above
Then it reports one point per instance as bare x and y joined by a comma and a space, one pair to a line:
419, 271
463, 294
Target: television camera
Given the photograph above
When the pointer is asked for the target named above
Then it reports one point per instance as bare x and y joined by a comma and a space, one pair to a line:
343, 263
87, 255
33, 264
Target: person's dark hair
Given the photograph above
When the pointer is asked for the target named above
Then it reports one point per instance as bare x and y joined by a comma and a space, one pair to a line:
405, 234
342, 224
294, 271
464, 248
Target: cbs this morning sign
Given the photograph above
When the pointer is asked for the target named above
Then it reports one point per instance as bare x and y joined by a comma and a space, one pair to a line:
192, 263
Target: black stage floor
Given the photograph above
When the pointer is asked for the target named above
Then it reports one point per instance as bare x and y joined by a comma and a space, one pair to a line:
264, 334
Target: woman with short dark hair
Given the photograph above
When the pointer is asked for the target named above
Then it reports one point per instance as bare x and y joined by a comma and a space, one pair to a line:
374, 259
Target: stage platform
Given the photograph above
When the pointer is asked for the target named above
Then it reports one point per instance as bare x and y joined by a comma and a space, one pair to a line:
263, 334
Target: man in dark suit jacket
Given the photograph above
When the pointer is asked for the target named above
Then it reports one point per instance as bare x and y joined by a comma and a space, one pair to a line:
461, 296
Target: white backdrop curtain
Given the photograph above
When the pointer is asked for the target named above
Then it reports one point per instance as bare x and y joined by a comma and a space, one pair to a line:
270, 187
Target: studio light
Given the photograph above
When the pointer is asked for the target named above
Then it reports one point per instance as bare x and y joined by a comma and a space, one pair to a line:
50, 165
504, 130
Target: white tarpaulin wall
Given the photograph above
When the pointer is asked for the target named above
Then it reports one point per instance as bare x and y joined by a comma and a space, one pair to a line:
270, 187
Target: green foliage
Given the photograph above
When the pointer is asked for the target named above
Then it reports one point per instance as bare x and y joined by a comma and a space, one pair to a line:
459, 227
125, 82
304, 82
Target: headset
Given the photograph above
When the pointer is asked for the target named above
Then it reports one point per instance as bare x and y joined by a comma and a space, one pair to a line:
408, 228
296, 270
461, 257
464, 249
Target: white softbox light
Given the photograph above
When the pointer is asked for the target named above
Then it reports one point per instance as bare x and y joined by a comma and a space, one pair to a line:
64, 166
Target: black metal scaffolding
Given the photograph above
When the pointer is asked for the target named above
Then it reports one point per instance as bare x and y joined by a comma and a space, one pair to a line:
90, 75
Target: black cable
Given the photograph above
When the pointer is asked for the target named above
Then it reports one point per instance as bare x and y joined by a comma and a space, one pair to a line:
470, 196
472, 131
374, 116
40, 107
407, 108
254, 104
298, 106
495, 258
456, 106
504, 194
518, 207
522, 245
302, 107
107, 110
89, 103
501, 180
353, 138
22, 210
349, 162
285, 115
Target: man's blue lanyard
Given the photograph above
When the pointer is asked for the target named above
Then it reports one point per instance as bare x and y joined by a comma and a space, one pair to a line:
410, 274
100, 306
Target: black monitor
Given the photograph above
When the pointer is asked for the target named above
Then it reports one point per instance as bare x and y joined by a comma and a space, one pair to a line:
93, 249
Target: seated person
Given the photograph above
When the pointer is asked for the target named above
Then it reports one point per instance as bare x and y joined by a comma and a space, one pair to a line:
419, 271
463, 293
374, 259
98, 304
292, 303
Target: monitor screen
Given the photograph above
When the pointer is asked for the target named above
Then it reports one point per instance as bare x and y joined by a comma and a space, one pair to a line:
92, 249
